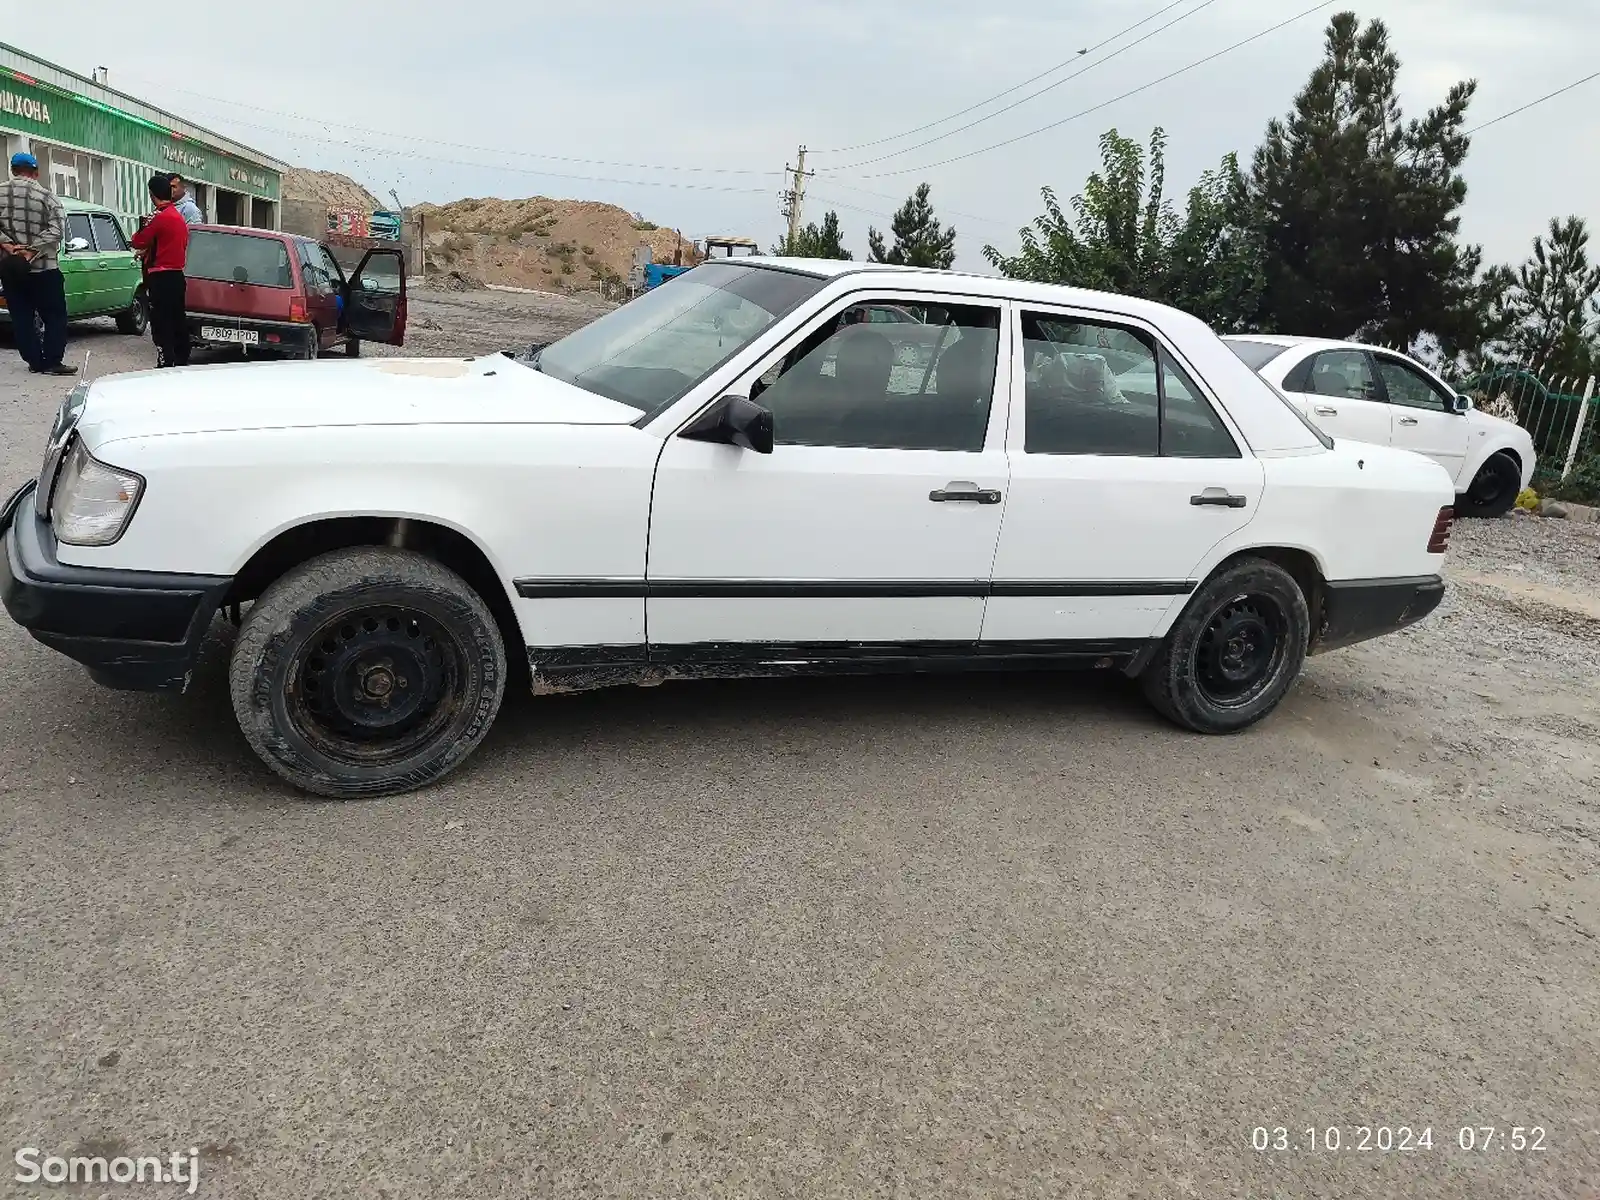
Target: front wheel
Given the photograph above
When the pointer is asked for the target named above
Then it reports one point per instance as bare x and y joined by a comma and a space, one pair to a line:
366, 672
352, 348
136, 318
1233, 654
1493, 490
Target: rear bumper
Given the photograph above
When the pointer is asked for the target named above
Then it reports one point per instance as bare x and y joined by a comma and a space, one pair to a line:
132, 629
290, 335
1357, 609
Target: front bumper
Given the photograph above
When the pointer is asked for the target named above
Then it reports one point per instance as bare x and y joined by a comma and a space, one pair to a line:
132, 629
1357, 609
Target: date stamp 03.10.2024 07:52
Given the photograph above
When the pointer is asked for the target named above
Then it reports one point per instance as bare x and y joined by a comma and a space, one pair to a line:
1399, 1139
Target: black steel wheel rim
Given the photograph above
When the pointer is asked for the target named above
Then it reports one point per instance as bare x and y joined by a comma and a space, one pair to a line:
1491, 485
376, 684
1241, 649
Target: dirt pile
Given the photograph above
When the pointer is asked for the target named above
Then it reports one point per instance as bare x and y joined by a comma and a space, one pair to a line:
548, 245
330, 188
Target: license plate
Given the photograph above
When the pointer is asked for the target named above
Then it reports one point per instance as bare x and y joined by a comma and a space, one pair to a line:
215, 333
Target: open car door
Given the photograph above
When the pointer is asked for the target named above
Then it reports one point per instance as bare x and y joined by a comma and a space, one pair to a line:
375, 298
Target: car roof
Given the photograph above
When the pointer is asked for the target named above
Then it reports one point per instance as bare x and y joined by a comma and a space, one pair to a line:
250, 231
70, 204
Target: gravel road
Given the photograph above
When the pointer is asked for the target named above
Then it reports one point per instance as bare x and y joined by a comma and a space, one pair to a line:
1007, 936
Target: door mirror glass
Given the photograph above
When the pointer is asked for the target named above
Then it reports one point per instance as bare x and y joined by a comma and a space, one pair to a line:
1463, 404
735, 421
77, 245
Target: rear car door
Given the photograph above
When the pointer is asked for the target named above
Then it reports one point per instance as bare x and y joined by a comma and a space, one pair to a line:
322, 290
1425, 416
1124, 474
1340, 392
375, 298
80, 273
870, 529
118, 270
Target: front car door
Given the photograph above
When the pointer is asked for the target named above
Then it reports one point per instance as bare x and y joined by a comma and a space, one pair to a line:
1340, 392
870, 529
1124, 474
80, 267
375, 299
118, 269
1425, 416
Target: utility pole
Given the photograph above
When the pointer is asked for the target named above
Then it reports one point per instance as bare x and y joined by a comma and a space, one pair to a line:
794, 199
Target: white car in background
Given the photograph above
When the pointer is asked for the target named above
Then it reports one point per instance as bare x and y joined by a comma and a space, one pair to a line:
680, 490
1370, 394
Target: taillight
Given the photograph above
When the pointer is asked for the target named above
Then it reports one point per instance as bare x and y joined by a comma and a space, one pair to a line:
1439, 539
297, 309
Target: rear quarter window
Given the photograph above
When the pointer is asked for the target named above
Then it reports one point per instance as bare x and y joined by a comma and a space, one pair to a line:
1254, 355
239, 258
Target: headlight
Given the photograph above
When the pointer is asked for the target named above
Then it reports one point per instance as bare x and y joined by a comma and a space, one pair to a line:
93, 502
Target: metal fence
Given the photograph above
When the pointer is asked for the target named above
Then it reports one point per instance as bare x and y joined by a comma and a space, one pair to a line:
1559, 414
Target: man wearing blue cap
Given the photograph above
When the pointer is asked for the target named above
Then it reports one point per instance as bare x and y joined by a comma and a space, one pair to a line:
31, 223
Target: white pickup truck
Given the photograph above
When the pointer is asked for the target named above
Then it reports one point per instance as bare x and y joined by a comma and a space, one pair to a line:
729, 476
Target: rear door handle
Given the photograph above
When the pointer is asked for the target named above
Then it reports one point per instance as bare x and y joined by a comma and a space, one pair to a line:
962, 491
1218, 498
1408, 420
1326, 410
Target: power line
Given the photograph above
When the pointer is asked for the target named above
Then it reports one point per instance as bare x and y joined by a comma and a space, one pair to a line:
965, 216
410, 137
1106, 104
1505, 116
1139, 41
1014, 87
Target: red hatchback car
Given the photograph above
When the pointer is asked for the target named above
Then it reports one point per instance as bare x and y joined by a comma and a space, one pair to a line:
286, 294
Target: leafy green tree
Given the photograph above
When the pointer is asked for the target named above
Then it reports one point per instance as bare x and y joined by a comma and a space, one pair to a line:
816, 241
919, 240
1358, 209
1123, 236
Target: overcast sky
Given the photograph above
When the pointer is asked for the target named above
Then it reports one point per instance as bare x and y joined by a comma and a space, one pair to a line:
734, 85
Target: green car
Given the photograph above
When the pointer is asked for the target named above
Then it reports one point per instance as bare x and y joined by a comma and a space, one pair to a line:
101, 275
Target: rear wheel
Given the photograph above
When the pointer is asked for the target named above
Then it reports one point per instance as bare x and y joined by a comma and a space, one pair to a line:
366, 672
136, 319
1235, 651
313, 346
1493, 490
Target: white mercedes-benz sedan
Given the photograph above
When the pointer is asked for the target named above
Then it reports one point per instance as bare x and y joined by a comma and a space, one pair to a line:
733, 475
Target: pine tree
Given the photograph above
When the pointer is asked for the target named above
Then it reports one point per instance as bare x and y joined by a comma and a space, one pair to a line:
919, 241
1358, 209
1553, 303
816, 241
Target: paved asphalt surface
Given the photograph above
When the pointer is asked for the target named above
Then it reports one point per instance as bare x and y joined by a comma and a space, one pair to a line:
974, 936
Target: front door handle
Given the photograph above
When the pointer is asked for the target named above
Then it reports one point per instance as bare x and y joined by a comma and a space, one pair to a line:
962, 491
1219, 498
1326, 410
1408, 420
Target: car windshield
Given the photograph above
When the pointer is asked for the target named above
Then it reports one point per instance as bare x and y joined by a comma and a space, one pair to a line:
238, 258
1254, 355
651, 351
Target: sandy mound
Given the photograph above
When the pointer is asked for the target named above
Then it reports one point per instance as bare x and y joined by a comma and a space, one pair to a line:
328, 187
549, 245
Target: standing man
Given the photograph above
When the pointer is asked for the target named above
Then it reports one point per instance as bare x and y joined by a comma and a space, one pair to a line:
31, 224
184, 203
163, 244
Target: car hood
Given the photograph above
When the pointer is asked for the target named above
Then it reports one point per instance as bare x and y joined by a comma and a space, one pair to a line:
492, 390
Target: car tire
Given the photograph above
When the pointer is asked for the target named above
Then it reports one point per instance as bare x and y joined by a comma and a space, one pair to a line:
313, 346
1493, 491
1234, 652
136, 319
352, 348
367, 672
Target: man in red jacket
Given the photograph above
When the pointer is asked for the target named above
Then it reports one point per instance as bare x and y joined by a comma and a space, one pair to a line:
163, 244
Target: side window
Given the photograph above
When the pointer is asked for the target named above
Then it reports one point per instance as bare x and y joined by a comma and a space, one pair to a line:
1190, 427
311, 269
1089, 389
78, 227
1344, 374
107, 233
1408, 387
923, 383
330, 267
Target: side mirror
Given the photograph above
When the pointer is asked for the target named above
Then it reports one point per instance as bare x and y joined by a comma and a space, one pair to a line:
734, 421
1462, 404
77, 245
